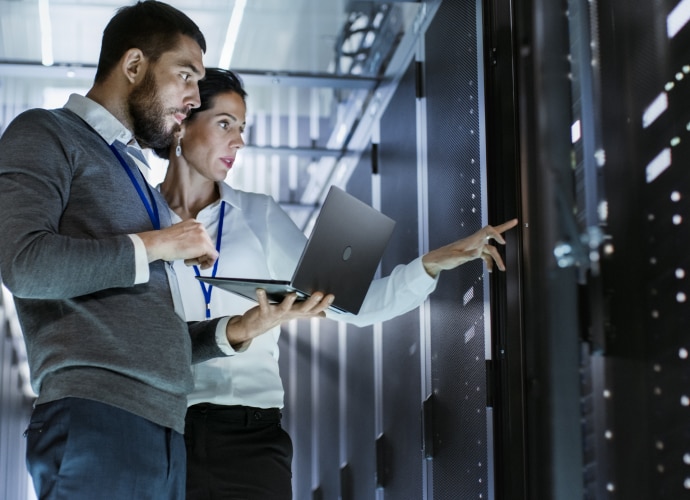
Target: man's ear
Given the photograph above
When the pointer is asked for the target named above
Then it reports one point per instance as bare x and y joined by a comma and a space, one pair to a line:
134, 65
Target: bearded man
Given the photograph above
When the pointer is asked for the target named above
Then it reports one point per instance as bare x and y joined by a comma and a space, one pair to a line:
86, 252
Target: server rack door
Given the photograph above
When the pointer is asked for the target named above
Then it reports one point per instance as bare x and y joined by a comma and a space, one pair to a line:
400, 443
358, 466
646, 91
298, 409
325, 407
358, 469
459, 312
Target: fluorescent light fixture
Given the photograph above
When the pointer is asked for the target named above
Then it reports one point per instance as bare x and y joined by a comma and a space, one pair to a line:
293, 139
341, 134
46, 33
314, 129
678, 17
655, 109
231, 34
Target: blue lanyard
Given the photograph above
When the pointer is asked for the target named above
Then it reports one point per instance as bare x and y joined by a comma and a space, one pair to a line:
151, 206
204, 289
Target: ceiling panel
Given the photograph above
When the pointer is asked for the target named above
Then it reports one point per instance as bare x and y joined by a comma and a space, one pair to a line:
309, 68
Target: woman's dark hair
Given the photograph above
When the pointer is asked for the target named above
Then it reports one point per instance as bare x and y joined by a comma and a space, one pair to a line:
216, 81
151, 26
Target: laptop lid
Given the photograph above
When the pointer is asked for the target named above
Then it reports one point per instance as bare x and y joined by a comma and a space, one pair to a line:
341, 256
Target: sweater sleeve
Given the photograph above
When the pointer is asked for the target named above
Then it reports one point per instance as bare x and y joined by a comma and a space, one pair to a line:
203, 335
44, 254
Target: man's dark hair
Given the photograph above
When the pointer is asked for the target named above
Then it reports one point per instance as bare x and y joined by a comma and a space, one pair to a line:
151, 26
217, 81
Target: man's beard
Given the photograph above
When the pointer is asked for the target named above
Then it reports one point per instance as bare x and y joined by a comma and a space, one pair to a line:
148, 115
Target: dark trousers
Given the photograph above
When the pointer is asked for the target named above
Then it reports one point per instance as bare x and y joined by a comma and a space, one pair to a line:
237, 453
84, 450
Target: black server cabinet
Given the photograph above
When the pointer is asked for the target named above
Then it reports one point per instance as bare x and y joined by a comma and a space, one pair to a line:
413, 421
399, 447
358, 473
645, 71
298, 415
460, 331
326, 408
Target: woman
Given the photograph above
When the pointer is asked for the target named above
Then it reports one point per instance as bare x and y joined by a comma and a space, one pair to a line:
235, 445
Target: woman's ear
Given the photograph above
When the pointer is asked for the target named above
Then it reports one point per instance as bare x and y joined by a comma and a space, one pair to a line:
133, 65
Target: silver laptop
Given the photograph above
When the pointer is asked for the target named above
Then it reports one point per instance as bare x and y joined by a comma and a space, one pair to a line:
341, 256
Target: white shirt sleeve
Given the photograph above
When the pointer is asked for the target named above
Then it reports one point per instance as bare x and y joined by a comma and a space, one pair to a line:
404, 289
141, 260
222, 339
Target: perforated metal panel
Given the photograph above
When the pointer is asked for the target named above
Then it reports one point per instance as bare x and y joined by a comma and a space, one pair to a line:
455, 418
358, 469
454, 105
298, 411
401, 444
327, 421
358, 473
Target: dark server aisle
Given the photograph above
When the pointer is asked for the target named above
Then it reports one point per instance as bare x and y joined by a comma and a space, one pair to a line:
411, 419
565, 378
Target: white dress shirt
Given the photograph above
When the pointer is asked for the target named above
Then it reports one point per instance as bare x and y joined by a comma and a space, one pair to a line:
261, 241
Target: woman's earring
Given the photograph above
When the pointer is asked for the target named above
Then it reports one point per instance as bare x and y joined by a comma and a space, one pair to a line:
178, 149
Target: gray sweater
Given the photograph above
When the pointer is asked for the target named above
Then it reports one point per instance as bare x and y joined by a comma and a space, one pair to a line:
66, 207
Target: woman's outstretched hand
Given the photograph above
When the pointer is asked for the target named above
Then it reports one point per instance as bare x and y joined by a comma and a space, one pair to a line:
475, 246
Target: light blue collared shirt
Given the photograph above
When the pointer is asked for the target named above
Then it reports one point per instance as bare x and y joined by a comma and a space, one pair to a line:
111, 129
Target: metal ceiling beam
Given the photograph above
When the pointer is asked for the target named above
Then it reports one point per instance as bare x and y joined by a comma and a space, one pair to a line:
287, 151
69, 72
309, 80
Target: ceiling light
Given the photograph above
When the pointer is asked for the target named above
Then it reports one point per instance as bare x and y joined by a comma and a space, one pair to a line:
231, 34
46, 33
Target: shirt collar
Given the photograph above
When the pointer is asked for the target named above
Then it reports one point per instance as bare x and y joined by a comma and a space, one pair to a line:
229, 195
100, 119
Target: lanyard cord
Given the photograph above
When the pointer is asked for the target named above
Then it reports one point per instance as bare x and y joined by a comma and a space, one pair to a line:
204, 289
151, 206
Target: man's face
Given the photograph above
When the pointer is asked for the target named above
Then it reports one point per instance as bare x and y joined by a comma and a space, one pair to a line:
166, 93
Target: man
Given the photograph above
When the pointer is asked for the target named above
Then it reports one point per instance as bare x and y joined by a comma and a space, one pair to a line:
86, 251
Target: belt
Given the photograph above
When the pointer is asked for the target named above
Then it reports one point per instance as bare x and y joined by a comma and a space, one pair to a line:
237, 412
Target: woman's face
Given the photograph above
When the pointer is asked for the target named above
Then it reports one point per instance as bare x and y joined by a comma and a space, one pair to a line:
212, 138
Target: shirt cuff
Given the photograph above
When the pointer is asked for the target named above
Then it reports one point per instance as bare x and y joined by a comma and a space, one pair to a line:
222, 339
141, 260
418, 275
